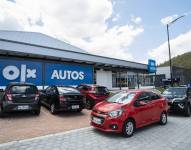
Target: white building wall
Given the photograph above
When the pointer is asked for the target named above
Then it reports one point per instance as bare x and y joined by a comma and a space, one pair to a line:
104, 78
163, 70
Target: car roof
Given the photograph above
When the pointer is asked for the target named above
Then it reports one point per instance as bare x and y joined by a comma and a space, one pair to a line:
20, 83
92, 85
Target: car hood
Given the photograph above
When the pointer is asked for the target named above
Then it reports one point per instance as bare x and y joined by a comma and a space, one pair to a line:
107, 106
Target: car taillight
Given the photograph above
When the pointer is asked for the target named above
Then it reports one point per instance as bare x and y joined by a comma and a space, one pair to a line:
37, 96
9, 97
62, 98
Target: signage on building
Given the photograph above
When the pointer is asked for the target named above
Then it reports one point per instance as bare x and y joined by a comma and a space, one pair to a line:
68, 74
55, 74
20, 71
152, 66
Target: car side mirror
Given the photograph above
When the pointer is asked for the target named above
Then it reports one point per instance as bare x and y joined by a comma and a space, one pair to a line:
140, 103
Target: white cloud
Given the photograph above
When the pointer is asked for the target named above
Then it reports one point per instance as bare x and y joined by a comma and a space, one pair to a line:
135, 19
179, 45
168, 19
74, 21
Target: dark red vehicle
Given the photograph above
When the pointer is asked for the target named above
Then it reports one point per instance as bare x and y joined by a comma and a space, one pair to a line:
93, 93
128, 110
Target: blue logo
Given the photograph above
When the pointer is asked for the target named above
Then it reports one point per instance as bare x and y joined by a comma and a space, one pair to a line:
152, 66
55, 74
68, 74
20, 71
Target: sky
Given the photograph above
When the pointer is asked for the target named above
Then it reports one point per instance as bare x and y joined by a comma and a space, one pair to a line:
133, 30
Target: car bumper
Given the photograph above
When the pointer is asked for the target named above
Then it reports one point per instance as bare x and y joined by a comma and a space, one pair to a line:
11, 107
177, 106
67, 106
108, 124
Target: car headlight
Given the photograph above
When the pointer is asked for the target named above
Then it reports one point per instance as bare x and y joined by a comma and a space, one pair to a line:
115, 113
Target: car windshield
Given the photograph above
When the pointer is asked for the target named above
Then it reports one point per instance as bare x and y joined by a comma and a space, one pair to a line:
65, 90
122, 97
175, 91
23, 89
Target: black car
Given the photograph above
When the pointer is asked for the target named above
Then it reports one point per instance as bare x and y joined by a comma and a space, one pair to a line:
20, 97
63, 98
179, 99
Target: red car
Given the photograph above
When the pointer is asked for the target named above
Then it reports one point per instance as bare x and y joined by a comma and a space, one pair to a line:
128, 110
93, 93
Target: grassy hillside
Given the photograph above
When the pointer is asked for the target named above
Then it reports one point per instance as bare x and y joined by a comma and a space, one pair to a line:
183, 61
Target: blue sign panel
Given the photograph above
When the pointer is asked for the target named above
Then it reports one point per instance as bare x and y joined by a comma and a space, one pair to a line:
152, 66
20, 71
68, 74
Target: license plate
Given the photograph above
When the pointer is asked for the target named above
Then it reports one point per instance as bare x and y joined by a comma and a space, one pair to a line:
96, 120
75, 106
24, 107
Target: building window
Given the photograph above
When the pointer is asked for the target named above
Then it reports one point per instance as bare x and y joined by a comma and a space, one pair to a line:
119, 79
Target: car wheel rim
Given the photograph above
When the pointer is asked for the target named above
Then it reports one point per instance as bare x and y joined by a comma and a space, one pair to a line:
163, 118
129, 128
52, 108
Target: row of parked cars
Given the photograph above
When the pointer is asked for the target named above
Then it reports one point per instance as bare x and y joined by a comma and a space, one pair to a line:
26, 97
121, 113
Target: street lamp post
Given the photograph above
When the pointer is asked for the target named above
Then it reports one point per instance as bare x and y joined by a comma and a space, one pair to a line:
169, 50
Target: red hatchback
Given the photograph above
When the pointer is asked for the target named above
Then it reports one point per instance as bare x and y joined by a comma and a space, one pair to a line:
93, 93
128, 110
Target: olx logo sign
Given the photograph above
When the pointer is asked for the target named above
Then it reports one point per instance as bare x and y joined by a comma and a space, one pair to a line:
13, 72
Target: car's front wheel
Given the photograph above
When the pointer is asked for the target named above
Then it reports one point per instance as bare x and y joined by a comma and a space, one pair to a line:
163, 118
129, 128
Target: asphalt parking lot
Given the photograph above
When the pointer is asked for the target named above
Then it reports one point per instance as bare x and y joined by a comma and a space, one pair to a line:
23, 125
176, 135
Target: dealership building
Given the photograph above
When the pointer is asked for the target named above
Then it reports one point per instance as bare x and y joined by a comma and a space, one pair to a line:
43, 60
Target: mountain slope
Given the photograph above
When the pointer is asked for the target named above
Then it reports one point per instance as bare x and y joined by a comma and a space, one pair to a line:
183, 61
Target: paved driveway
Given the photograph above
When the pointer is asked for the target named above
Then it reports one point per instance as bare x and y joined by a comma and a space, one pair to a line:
17, 126
176, 135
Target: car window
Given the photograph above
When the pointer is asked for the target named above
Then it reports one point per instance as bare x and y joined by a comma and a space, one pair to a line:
175, 91
23, 89
122, 97
48, 89
65, 90
101, 90
154, 96
53, 90
85, 88
144, 97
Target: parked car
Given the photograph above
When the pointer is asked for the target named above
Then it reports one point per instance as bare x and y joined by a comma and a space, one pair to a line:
20, 97
128, 110
62, 98
179, 99
93, 93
